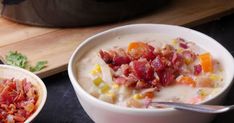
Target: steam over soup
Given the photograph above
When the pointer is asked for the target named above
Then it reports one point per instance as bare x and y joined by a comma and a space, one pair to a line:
133, 70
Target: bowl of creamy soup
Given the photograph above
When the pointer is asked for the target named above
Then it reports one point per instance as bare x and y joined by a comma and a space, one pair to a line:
116, 74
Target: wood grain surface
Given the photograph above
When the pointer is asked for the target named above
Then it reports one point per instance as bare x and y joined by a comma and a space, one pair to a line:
56, 45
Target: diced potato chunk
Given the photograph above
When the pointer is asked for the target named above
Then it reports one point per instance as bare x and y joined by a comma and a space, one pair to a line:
115, 86
94, 91
112, 95
107, 98
134, 103
124, 93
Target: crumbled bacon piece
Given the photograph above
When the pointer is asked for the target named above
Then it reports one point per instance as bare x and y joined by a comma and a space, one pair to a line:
141, 84
197, 69
166, 77
106, 56
126, 81
158, 64
183, 45
177, 61
143, 70
180, 39
120, 80
125, 69
17, 100
141, 50
119, 60
149, 53
115, 57
189, 56
144, 66
168, 50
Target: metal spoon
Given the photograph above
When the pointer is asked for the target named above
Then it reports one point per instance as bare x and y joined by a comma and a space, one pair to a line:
212, 109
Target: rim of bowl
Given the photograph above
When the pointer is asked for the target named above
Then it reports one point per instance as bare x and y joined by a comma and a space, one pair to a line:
41, 83
117, 108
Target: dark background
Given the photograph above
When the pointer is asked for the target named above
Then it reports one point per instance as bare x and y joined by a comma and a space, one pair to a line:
62, 105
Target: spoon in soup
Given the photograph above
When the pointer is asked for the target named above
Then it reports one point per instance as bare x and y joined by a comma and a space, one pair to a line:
211, 109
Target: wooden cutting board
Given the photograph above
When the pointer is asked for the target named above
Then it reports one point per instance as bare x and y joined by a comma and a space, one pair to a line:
56, 45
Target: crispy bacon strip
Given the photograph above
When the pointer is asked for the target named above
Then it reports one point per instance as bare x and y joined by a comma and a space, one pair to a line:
144, 66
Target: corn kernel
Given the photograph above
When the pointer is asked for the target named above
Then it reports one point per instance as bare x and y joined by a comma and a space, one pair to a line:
97, 81
174, 42
137, 96
96, 69
106, 98
214, 77
105, 88
179, 50
93, 72
202, 93
187, 61
115, 86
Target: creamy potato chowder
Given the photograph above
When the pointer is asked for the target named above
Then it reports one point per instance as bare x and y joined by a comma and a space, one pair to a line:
132, 71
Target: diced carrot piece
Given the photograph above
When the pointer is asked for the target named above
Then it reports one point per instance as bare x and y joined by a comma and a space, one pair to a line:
206, 62
149, 95
138, 48
136, 45
186, 80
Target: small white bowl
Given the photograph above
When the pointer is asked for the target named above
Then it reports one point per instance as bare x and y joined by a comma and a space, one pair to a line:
102, 112
8, 72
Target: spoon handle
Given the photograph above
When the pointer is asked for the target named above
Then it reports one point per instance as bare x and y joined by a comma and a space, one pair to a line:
212, 109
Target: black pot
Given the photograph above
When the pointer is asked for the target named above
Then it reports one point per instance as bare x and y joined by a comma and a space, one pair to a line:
70, 13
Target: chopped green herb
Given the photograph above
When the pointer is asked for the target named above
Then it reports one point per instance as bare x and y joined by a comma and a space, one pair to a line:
17, 59
39, 66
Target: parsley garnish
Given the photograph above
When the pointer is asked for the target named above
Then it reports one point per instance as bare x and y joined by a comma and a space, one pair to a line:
17, 59
39, 66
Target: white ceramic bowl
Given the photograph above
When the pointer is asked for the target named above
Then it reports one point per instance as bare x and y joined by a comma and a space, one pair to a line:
8, 72
102, 112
